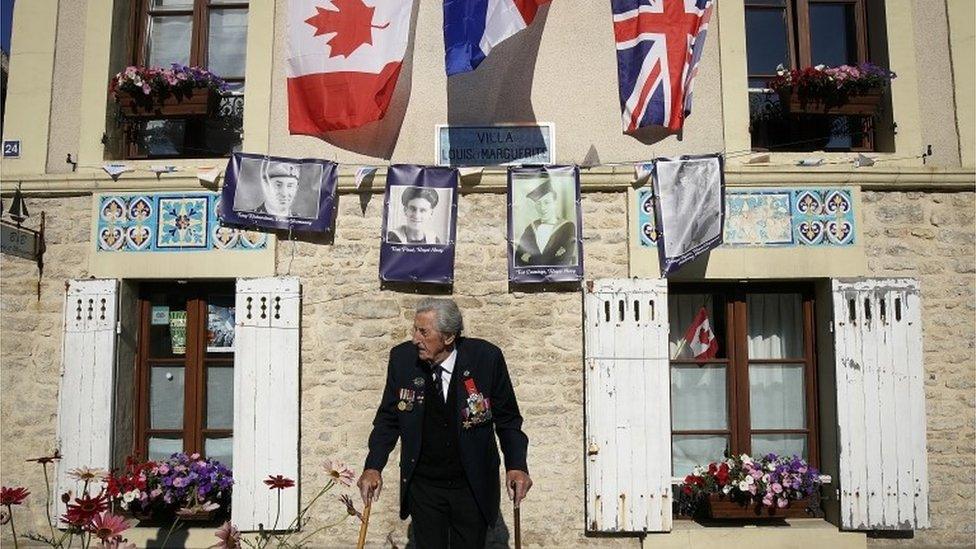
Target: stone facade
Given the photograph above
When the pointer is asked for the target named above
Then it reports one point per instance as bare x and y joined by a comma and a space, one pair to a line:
349, 324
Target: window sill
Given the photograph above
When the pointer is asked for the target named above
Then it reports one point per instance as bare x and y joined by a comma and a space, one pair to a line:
761, 160
812, 532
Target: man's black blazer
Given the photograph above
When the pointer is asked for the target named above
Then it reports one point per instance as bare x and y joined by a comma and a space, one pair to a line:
476, 359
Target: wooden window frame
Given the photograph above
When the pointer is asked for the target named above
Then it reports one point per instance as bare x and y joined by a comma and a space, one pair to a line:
194, 361
200, 30
737, 363
799, 51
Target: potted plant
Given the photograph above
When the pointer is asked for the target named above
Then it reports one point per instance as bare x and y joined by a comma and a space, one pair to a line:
842, 90
155, 92
744, 488
187, 486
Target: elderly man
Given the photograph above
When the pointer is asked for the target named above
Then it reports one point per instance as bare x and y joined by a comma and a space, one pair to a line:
443, 395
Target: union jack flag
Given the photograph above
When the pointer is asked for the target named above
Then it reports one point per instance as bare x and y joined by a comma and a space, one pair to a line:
659, 45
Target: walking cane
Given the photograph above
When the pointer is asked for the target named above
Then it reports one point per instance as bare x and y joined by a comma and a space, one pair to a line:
364, 526
518, 523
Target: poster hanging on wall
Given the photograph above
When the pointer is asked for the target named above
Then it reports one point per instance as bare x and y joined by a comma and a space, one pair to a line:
419, 225
544, 225
278, 193
689, 208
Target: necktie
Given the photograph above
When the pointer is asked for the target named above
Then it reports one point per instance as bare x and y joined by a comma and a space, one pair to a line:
438, 380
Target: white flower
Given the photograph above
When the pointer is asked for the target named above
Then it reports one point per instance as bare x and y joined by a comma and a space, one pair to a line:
129, 496
750, 480
744, 486
765, 478
780, 70
698, 470
726, 489
820, 67
771, 466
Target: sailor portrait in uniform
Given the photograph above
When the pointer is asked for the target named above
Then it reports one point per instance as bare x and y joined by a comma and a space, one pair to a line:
550, 239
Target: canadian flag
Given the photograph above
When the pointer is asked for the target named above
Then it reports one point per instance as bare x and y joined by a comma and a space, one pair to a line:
344, 57
700, 337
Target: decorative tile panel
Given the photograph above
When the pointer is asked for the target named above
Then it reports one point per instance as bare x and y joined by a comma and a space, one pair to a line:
182, 222
645, 217
772, 217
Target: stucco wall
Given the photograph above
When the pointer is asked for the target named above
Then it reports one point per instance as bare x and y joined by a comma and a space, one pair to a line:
66, 93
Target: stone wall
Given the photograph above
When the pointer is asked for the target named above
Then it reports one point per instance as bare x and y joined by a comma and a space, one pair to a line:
930, 236
30, 345
349, 324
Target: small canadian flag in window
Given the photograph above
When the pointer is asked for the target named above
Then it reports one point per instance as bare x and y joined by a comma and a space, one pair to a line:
700, 338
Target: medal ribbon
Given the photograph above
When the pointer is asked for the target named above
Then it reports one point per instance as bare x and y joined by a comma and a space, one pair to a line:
470, 386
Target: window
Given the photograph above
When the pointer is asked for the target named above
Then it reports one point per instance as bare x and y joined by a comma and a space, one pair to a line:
758, 394
185, 370
804, 33
206, 33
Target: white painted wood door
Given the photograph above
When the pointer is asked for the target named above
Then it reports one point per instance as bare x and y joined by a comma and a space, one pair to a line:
880, 404
628, 406
266, 400
85, 397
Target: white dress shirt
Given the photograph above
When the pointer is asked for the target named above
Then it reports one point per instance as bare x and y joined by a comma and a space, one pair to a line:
448, 369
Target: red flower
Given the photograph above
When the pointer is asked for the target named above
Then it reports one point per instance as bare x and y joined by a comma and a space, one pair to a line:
108, 526
278, 482
84, 509
686, 489
722, 475
13, 496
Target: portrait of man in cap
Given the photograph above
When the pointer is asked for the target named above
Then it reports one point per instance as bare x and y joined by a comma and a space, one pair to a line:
418, 220
279, 183
550, 238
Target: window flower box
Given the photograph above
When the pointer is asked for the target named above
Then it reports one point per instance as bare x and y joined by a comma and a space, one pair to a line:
722, 507
843, 90
862, 104
176, 92
198, 103
742, 487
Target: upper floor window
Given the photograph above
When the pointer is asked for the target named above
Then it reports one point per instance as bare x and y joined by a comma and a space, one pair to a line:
757, 394
206, 33
805, 33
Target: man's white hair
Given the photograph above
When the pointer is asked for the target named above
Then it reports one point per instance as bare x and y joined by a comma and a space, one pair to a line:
447, 314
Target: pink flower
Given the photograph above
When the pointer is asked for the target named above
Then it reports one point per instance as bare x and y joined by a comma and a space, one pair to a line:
107, 526
777, 488
781, 502
229, 536
146, 89
768, 500
339, 472
753, 489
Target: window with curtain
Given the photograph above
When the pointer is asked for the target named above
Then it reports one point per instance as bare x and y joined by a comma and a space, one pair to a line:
205, 33
756, 395
806, 33
185, 370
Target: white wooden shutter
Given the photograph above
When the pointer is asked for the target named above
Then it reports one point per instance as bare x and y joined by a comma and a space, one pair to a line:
880, 404
628, 406
87, 377
266, 400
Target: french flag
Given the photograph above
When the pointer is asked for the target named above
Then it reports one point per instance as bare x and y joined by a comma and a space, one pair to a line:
473, 27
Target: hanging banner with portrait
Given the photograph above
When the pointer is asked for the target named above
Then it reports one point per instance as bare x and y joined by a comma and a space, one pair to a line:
278, 193
689, 208
419, 224
544, 225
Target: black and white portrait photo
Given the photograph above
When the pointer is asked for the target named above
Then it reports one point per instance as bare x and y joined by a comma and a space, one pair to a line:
278, 193
544, 219
690, 206
281, 189
419, 215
